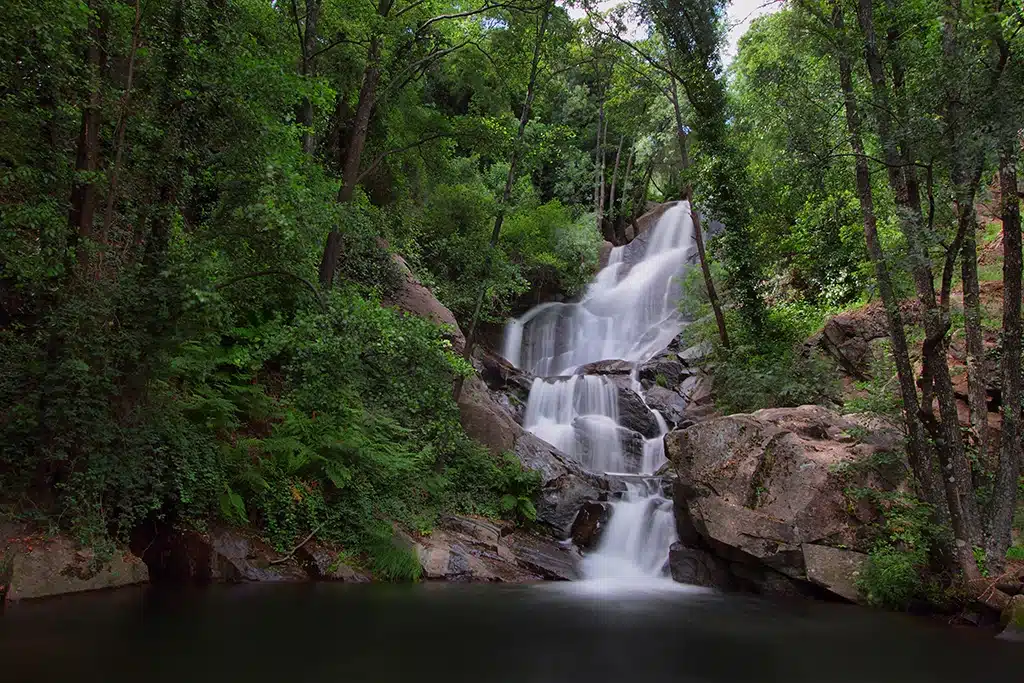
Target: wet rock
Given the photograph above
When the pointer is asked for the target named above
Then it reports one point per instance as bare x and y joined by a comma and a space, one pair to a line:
603, 254
1012, 619
663, 372
591, 520
508, 385
758, 489
635, 415
46, 566
834, 569
606, 367
220, 555
591, 432
698, 567
670, 404
550, 560
565, 486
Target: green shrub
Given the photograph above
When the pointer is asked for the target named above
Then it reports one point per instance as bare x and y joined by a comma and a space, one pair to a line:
891, 578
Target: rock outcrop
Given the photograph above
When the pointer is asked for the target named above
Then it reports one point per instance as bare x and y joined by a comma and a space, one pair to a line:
418, 300
474, 549
765, 496
40, 566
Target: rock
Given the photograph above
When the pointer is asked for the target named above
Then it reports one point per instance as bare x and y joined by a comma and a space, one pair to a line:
220, 555
565, 486
550, 560
416, 299
42, 567
606, 367
484, 419
591, 519
834, 569
322, 564
509, 386
698, 567
635, 415
591, 430
758, 489
1012, 619
847, 337
603, 254
671, 405
694, 356
473, 549
663, 372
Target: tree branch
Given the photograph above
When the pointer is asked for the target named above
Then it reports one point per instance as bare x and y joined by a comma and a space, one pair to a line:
274, 271
398, 150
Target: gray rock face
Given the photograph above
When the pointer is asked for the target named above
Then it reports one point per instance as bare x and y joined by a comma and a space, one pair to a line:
565, 486
766, 493
847, 337
698, 567
472, 549
635, 415
670, 404
416, 299
664, 371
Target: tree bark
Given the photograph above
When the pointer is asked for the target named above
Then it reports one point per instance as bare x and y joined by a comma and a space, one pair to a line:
620, 224
1004, 495
83, 192
308, 44
963, 511
611, 196
353, 154
917, 444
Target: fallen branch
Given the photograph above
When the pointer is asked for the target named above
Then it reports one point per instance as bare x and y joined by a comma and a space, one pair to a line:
294, 550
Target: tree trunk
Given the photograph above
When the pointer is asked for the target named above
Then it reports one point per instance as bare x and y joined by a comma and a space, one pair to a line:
353, 157
917, 444
611, 195
308, 38
506, 195
698, 234
83, 192
946, 432
620, 224
1004, 495
602, 141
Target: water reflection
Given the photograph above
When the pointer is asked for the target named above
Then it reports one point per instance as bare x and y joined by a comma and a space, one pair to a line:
588, 631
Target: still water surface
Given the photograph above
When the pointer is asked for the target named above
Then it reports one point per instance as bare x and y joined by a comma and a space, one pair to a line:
566, 633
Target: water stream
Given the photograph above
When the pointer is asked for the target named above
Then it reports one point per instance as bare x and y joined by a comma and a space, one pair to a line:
629, 312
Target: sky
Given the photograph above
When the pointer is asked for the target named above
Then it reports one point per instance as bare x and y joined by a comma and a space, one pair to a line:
738, 17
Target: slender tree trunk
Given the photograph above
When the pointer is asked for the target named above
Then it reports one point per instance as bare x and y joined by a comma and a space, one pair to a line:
1004, 495
122, 125
917, 445
506, 194
620, 224
611, 195
600, 175
946, 433
83, 192
597, 165
308, 38
353, 157
698, 233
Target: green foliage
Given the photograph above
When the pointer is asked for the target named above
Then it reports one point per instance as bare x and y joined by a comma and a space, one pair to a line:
1015, 552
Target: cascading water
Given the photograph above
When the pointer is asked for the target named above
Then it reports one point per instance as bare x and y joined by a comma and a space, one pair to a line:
629, 312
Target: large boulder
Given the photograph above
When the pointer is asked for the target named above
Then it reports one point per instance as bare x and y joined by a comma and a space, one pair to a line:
768, 491
40, 566
591, 520
635, 415
484, 419
670, 404
418, 300
509, 386
848, 337
664, 371
565, 486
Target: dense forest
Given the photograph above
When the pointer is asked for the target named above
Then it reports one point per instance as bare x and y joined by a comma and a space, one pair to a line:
203, 203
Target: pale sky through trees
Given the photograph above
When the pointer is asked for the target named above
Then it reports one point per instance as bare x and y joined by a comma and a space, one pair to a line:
739, 16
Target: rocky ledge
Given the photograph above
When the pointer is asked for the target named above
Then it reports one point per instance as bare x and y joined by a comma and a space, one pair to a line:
761, 499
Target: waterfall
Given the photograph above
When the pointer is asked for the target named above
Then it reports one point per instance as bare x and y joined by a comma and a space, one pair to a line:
628, 312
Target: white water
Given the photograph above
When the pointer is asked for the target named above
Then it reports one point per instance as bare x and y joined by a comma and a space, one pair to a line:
627, 313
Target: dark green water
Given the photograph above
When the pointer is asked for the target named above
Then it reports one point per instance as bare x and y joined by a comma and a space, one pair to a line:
453, 633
